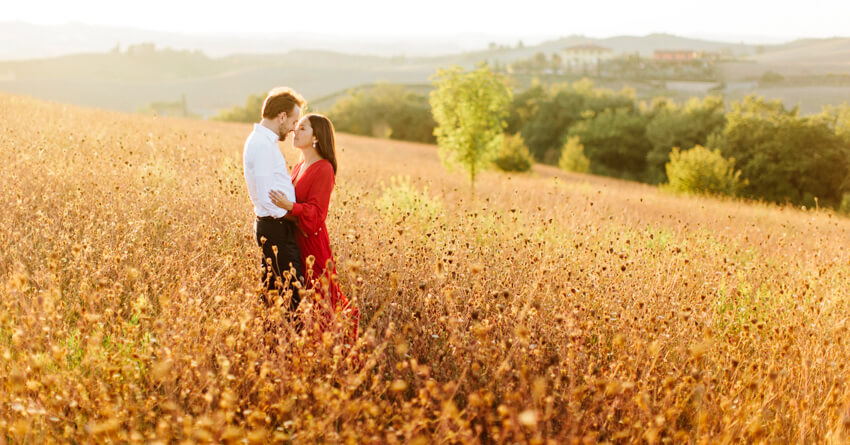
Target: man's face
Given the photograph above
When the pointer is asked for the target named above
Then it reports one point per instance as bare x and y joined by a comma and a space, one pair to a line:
288, 122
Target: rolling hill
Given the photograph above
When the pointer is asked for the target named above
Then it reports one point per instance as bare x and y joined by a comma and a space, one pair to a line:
130, 77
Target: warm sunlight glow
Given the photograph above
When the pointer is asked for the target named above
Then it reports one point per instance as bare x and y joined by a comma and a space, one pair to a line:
721, 19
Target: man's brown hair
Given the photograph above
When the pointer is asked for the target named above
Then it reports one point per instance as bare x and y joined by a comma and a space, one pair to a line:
281, 99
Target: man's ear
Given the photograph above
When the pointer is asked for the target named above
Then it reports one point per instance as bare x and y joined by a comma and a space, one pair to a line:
282, 116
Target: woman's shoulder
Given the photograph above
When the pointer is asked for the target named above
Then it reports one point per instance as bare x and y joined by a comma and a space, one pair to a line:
324, 166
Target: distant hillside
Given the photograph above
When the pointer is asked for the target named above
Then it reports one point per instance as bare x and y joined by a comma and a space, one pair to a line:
40, 41
815, 55
646, 45
125, 82
129, 77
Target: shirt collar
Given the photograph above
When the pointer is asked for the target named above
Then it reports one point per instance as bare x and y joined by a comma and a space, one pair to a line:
264, 131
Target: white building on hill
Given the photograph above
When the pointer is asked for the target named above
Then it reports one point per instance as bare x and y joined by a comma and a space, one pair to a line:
581, 57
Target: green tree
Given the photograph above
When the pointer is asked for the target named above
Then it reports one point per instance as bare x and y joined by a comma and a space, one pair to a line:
839, 118
785, 157
385, 110
551, 117
680, 126
700, 170
524, 106
573, 158
615, 142
470, 110
545, 116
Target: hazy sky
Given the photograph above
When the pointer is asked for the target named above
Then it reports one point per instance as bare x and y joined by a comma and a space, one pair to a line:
720, 19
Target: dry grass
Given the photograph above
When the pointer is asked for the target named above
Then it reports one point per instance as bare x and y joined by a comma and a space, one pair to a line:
552, 307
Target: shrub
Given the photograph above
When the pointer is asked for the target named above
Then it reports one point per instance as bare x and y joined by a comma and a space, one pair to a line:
402, 200
513, 155
845, 204
771, 77
250, 112
573, 158
701, 170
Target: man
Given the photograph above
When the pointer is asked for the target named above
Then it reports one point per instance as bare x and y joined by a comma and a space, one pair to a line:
266, 170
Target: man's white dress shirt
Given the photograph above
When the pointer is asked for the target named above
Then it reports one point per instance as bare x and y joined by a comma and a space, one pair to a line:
265, 170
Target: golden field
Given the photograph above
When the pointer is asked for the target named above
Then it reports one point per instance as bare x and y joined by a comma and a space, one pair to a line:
549, 308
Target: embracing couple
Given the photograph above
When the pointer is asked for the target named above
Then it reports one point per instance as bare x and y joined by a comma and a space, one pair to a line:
291, 208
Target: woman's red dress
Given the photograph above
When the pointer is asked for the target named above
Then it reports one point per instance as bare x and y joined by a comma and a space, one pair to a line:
313, 195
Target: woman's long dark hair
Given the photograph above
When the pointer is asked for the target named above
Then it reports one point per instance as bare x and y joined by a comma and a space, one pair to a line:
323, 130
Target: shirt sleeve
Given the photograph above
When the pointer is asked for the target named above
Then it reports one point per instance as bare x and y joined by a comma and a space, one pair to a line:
313, 210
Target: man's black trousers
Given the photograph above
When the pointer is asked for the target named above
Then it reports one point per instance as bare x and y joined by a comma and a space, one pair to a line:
279, 234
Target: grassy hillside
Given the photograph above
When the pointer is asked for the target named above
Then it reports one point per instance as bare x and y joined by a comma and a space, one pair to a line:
817, 55
125, 82
138, 75
552, 305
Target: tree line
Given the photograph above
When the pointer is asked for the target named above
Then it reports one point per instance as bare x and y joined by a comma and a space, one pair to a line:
753, 148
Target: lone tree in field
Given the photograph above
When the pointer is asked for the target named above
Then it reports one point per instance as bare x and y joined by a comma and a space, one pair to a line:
470, 110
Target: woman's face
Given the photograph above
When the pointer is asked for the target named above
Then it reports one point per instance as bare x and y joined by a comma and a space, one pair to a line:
303, 134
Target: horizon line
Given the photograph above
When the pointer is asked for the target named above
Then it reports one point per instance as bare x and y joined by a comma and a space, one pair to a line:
736, 38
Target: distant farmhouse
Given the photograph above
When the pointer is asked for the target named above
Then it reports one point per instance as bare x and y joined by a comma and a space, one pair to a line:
582, 57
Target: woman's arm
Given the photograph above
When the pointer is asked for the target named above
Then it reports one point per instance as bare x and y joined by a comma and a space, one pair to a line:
279, 199
313, 210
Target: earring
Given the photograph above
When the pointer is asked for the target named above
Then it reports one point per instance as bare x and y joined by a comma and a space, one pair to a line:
314, 144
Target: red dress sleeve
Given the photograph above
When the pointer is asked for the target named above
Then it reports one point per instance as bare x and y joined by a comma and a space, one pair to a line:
312, 211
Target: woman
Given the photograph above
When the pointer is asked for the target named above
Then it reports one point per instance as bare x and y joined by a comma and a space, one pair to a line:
314, 178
